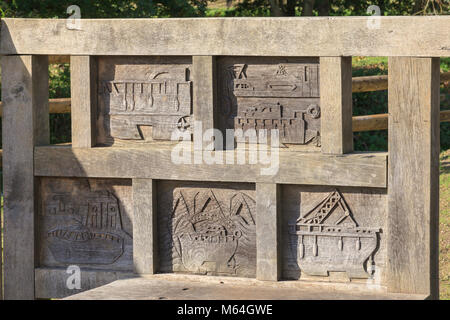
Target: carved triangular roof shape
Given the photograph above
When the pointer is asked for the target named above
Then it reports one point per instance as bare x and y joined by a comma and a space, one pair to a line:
324, 209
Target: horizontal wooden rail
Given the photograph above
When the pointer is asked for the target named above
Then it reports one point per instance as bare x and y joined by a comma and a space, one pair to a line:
58, 59
380, 121
155, 162
244, 36
375, 83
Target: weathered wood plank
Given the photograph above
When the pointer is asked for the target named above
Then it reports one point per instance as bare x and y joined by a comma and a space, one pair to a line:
413, 176
58, 105
51, 283
380, 121
83, 89
268, 232
370, 122
172, 287
145, 246
25, 124
58, 59
359, 169
336, 104
287, 36
369, 83
205, 95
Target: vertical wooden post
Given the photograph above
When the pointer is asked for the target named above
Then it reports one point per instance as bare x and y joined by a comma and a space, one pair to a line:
145, 245
204, 94
83, 90
336, 105
413, 177
25, 125
268, 248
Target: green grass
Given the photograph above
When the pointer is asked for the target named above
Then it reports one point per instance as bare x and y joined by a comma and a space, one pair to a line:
382, 63
367, 62
444, 226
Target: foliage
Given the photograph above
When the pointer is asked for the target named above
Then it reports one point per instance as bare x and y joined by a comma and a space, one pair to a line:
365, 103
103, 8
59, 87
333, 7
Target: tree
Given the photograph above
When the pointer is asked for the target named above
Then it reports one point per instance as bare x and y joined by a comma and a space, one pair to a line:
344, 7
104, 8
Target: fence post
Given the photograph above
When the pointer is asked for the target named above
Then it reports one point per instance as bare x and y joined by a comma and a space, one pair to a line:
25, 125
413, 176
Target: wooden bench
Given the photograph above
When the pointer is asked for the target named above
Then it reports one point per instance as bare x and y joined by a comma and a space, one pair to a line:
121, 201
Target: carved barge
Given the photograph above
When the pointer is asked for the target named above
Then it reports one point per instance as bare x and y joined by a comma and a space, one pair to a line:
95, 239
320, 247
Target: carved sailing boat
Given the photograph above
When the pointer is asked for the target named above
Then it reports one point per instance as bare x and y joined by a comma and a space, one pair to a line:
322, 246
93, 233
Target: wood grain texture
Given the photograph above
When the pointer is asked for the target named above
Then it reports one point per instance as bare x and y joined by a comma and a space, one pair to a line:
173, 287
25, 124
369, 83
51, 283
83, 90
336, 104
380, 121
358, 169
145, 246
204, 98
268, 232
370, 122
413, 176
58, 59
289, 36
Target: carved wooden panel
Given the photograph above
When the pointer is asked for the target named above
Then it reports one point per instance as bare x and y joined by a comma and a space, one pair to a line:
207, 228
271, 93
143, 98
86, 222
333, 230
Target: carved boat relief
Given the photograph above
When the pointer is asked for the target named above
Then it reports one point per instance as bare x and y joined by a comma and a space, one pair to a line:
328, 238
272, 93
83, 226
210, 231
144, 100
